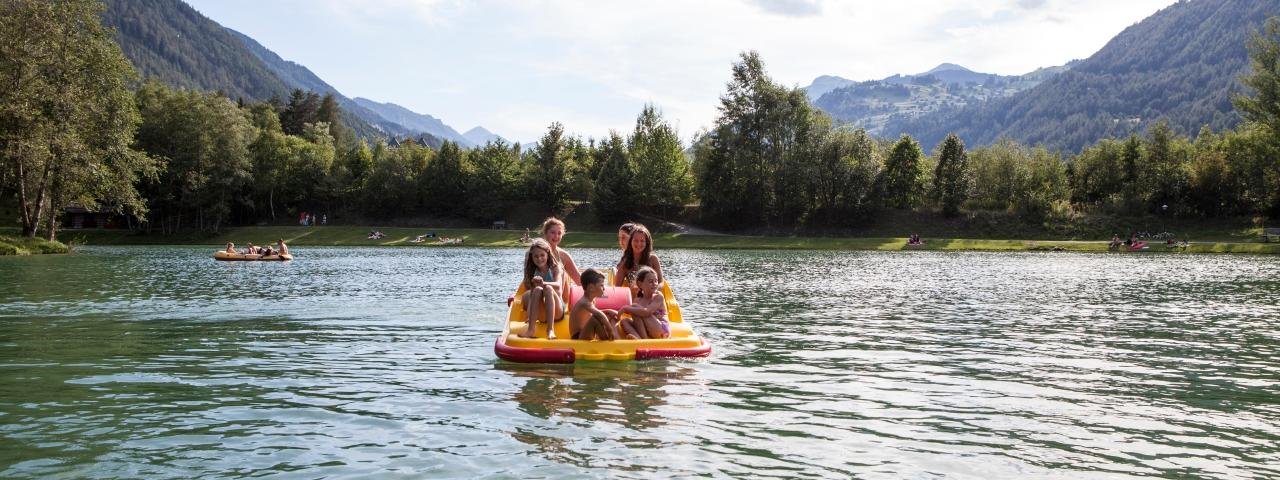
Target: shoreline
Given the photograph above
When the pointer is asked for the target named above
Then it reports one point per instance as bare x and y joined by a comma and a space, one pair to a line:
16, 245
401, 236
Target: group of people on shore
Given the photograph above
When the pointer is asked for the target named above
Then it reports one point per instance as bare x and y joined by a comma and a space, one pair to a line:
266, 251
549, 269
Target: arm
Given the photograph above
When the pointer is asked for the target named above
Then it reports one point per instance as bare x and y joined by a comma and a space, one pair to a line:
570, 267
638, 310
619, 275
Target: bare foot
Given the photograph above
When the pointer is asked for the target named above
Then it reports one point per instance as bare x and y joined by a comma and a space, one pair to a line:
526, 334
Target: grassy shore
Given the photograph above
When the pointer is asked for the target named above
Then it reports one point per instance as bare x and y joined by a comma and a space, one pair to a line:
356, 236
17, 245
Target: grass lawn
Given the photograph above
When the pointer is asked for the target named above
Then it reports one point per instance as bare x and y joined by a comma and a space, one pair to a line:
356, 236
18, 245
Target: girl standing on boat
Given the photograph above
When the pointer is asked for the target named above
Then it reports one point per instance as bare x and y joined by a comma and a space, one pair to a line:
543, 279
640, 254
553, 232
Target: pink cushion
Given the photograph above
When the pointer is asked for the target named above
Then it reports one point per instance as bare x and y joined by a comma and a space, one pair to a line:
613, 299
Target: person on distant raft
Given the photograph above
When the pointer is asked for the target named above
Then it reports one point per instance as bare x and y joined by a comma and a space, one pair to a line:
640, 254
283, 249
649, 311
231, 248
543, 279
553, 232
250, 250
586, 322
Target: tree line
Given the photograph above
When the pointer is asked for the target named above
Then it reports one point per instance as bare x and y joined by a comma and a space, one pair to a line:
76, 128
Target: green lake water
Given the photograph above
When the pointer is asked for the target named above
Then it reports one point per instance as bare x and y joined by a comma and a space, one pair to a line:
158, 362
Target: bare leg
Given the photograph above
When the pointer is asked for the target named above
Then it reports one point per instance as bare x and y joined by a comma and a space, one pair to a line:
651, 327
629, 329
549, 302
604, 329
534, 300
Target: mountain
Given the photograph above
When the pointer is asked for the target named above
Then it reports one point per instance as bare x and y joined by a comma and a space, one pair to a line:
824, 84
873, 104
1180, 65
298, 76
480, 136
171, 42
413, 120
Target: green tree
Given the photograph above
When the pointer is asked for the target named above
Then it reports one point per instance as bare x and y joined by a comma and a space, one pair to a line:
495, 182
951, 176
444, 182
901, 180
763, 129
204, 140
612, 195
66, 116
845, 170
545, 171
1263, 107
661, 178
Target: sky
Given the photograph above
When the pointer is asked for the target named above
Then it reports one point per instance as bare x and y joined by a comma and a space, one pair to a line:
514, 67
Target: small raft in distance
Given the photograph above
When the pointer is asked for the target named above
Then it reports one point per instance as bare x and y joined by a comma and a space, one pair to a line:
222, 255
683, 342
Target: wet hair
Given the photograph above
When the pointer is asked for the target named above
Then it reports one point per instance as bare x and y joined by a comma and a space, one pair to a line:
628, 259
553, 261
591, 277
642, 273
546, 224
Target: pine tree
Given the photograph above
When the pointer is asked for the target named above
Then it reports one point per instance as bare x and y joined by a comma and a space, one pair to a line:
951, 177
612, 196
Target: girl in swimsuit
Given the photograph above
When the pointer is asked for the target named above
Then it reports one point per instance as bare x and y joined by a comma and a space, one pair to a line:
649, 313
543, 278
638, 254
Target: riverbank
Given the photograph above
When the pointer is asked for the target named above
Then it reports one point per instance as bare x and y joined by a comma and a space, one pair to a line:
17, 245
357, 236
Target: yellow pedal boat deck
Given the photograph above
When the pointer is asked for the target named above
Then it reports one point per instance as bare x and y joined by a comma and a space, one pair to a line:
683, 342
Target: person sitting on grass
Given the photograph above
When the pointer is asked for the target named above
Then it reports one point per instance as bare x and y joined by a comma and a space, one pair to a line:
586, 322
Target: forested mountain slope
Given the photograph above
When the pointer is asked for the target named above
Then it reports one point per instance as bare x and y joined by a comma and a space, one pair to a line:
1181, 64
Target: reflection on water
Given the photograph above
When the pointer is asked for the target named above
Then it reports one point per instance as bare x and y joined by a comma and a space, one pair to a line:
157, 362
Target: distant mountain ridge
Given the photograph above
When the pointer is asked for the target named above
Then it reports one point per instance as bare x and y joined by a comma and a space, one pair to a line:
413, 120
170, 41
480, 136
874, 104
1179, 65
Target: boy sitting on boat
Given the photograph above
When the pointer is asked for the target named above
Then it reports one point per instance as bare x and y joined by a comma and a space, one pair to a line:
586, 322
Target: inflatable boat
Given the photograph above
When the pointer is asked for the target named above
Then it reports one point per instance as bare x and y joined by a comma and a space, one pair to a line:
683, 342
241, 257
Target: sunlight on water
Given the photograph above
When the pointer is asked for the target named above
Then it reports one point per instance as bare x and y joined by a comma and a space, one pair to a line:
158, 362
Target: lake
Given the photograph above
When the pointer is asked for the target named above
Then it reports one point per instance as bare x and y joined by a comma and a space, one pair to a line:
158, 362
